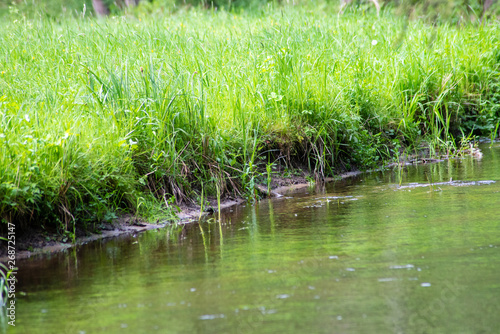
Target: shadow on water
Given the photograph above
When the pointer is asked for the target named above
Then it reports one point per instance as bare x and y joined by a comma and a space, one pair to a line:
405, 250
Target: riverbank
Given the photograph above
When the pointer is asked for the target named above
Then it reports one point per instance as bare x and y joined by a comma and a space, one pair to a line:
39, 242
127, 115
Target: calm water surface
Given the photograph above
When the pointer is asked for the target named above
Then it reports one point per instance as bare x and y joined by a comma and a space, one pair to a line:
386, 252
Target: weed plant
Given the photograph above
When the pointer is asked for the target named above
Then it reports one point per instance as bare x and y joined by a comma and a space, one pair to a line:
137, 113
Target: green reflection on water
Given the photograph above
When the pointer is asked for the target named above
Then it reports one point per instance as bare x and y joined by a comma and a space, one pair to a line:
361, 256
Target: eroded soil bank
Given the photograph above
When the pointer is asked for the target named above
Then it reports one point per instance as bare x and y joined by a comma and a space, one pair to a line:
35, 242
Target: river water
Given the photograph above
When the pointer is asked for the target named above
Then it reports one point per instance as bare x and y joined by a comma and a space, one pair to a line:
400, 251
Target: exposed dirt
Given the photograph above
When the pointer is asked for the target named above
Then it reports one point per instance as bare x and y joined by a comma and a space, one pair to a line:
37, 241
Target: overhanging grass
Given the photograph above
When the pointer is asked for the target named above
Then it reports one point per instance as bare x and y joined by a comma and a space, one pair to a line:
137, 113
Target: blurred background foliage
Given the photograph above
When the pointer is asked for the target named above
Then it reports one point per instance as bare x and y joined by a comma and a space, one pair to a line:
453, 11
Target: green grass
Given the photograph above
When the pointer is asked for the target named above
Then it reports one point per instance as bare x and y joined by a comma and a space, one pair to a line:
136, 113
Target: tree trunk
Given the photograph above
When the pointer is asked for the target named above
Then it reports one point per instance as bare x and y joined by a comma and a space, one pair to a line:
486, 5
100, 8
130, 3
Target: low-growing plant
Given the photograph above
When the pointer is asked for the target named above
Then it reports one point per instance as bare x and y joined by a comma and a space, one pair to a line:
494, 133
